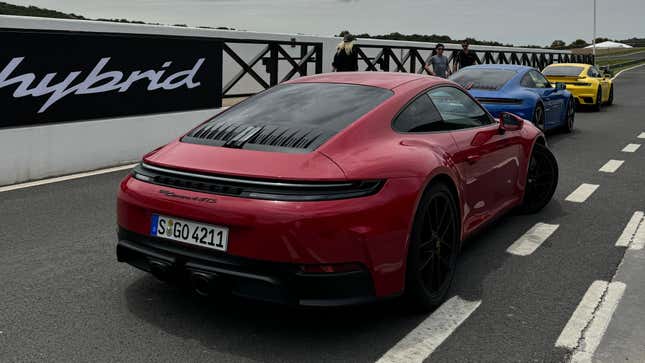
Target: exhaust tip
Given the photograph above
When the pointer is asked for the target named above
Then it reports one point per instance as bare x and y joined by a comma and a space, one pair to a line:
201, 283
160, 269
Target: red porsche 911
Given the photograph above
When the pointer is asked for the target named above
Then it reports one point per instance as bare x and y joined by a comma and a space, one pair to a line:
332, 189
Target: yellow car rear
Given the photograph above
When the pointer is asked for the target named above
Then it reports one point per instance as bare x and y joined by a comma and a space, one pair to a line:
588, 85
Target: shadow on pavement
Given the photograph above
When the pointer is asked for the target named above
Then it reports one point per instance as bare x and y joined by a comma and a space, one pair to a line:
263, 331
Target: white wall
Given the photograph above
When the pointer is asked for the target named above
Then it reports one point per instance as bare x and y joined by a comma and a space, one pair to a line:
42, 151
37, 152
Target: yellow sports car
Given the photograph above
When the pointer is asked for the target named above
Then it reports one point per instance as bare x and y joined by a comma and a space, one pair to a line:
587, 84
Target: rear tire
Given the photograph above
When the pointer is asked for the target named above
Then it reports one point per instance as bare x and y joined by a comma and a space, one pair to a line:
538, 116
541, 180
570, 115
433, 250
598, 106
610, 101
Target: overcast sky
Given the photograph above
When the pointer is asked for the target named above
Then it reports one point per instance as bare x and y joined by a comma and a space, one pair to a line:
509, 21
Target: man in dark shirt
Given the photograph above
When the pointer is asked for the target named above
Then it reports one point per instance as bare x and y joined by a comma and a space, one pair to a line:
465, 57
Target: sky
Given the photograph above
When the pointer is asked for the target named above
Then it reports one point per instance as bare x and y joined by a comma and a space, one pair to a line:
519, 22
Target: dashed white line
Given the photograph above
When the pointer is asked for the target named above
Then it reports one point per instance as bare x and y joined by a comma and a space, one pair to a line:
638, 241
532, 239
592, 336
65, 178
631, 148
581, 194
581, 317
642, 135
630, 230
611, 166
425, 338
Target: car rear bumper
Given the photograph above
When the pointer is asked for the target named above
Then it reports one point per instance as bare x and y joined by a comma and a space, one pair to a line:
371, 231
584, 95
260, 280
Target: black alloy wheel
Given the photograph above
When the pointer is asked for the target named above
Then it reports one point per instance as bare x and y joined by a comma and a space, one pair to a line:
541, 180
538, 116
433, 250
610, 101
598, 106
571, 115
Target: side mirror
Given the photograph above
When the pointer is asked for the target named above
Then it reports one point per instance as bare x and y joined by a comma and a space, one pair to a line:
560, 86
510, 122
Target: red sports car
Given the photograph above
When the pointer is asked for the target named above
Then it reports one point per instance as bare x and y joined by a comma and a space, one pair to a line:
332, 189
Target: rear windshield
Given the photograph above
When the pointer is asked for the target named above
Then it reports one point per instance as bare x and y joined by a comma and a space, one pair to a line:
483, 78
329, 106
295, 117
562, 71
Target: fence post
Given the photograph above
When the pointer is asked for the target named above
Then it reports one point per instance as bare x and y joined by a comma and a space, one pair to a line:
273, 64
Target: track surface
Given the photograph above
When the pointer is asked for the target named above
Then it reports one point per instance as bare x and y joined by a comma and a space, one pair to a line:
63, 296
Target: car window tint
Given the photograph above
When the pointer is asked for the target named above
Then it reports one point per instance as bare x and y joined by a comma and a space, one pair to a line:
483, 78
325, 106
527, 81
562, 71
419, 116
593, 72
457, 109
539, 80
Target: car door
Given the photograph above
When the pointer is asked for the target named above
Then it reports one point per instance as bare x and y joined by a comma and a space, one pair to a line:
551, 98
488, 161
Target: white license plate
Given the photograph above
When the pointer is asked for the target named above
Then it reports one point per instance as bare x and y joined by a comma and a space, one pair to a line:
194, 233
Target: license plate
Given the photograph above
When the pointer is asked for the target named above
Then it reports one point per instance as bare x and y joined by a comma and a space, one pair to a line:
194, 233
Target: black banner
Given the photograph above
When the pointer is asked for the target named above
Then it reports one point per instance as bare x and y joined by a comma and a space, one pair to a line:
50, 77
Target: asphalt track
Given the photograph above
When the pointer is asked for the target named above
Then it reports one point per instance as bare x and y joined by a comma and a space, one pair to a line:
64, 298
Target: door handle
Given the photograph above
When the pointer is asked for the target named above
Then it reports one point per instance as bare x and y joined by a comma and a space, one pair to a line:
473, 158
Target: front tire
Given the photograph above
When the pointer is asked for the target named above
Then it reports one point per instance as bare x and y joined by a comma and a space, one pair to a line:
433, 250
541, 180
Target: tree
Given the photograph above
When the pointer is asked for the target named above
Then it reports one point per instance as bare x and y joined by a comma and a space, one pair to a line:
578, 43
558, 44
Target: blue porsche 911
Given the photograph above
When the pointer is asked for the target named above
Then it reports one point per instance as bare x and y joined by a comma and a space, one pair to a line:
520, 90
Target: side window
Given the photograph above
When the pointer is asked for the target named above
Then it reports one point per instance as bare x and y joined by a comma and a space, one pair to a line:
539, 80
457, 109
527, 81
419, 116
593, 72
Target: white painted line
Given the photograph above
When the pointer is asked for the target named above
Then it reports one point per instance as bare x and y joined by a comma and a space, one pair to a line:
64, 178
583, 314
631, 148
601, 319
630, 230
532, 239
581, 194
627, 69
425, 338
638, 242
611, 166
642, 135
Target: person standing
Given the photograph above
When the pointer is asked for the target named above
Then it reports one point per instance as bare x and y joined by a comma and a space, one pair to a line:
439, 62
346, 57
465, 57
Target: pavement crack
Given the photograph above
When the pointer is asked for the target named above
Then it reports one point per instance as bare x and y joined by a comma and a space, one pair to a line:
581, 340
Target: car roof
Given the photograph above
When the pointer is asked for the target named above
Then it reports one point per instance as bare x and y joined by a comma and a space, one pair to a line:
388, 80
584, 65
507, 67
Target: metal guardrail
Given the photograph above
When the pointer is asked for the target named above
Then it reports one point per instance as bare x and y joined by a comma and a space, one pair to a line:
410, 59
278, 58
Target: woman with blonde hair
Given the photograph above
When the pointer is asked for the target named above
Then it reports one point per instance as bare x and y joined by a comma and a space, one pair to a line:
346, 57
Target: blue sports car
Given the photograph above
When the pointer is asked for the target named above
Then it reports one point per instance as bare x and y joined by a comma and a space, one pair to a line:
520, 90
